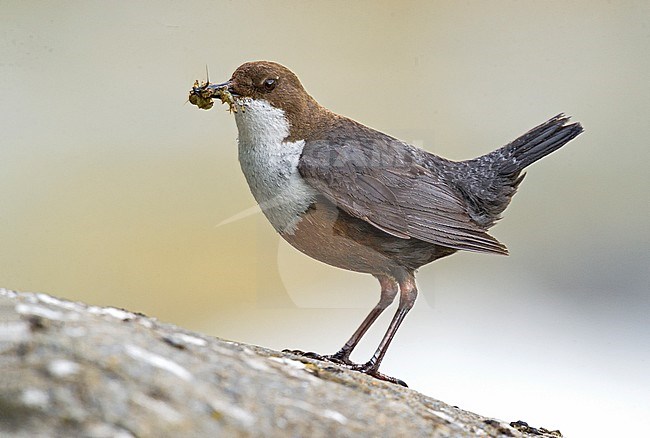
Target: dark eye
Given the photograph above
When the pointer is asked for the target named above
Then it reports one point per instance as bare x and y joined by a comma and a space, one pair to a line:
270, 83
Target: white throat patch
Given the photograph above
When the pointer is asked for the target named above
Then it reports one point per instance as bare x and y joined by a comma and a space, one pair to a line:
270, 164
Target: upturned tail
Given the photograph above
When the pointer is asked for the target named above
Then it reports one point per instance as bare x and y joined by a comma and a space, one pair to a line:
490, 181
534, 145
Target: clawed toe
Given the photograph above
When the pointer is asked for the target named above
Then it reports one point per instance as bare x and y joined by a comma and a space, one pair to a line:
309, 354
341, 360
333, 358
390, 379
370, 369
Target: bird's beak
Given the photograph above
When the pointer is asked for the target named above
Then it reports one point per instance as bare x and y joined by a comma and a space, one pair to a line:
217, 89
201, 95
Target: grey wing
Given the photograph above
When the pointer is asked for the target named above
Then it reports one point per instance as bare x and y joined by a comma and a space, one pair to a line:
395, 192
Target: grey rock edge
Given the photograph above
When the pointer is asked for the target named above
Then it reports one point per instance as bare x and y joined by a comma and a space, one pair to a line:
70, 369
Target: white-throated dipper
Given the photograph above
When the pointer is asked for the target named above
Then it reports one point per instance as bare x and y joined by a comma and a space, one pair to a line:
358, 199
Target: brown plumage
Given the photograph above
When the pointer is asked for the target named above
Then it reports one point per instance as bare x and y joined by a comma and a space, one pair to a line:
358, 199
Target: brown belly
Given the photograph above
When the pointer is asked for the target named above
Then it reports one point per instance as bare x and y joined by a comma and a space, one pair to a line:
330, 235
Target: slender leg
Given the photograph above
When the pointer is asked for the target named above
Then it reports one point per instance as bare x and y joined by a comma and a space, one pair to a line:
408, 294
389, 288
388, 292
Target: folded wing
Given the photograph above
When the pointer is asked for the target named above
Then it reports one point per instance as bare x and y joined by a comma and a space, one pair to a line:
397, 188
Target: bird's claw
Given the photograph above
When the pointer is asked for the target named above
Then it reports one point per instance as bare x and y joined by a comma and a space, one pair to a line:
368, 368
334, 358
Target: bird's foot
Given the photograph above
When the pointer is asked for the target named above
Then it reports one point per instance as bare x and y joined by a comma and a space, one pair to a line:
334, 358
370, 369
341, 359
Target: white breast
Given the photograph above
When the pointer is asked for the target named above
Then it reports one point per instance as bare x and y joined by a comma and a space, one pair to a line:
270, 164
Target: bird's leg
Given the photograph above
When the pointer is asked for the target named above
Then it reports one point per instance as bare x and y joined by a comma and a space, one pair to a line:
408, 294
389, 288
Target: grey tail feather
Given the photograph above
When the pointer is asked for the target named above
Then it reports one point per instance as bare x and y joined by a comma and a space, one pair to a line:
536, 143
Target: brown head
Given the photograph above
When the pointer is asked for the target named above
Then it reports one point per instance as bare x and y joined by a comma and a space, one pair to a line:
279, 86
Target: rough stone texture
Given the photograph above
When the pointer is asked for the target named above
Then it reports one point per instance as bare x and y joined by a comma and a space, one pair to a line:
68, 369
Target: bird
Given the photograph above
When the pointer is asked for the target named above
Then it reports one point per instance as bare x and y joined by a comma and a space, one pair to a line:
361, 200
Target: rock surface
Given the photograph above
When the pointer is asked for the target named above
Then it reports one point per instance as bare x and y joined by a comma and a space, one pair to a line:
69, 369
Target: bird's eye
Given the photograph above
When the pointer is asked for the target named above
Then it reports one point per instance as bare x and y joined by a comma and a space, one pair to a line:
270, 83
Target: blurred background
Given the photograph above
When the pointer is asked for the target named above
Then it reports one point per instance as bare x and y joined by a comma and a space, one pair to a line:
115, 192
